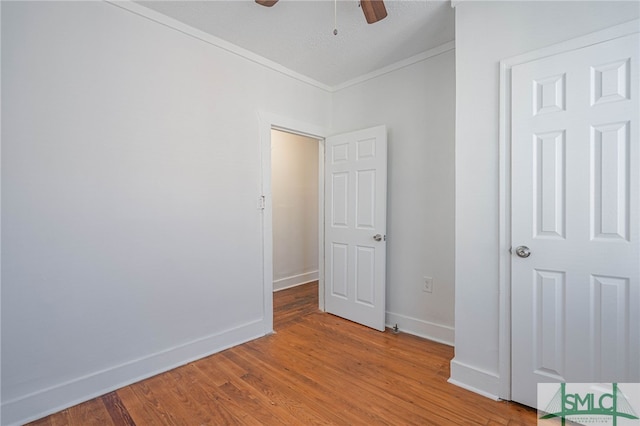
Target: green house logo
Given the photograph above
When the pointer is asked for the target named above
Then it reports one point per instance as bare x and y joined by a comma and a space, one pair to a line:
588, 404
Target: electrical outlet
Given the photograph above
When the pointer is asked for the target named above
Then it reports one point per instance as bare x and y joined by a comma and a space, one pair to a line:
427, 285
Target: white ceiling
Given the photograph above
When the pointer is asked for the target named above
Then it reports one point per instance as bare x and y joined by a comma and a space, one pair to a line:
298, 34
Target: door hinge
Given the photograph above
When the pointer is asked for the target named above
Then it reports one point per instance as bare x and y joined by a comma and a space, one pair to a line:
262, 202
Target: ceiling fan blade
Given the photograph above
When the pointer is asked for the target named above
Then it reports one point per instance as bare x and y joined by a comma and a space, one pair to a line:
374, 10
267, 3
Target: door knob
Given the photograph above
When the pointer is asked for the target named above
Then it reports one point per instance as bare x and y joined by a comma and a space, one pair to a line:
377, 237
523, 251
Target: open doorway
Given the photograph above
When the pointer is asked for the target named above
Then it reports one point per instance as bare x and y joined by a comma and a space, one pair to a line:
295, 211
267, 123
294, 188
368, 148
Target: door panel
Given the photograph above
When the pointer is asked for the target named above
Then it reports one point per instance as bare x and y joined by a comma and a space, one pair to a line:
575, 205
355, 203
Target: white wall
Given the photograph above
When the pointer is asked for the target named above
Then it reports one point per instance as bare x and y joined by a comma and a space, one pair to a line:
487, 32
130, 180
294, 186
417, 105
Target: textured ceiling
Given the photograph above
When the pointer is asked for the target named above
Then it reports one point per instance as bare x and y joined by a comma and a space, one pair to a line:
298, 34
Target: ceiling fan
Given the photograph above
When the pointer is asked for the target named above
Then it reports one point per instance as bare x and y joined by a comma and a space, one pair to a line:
374, 10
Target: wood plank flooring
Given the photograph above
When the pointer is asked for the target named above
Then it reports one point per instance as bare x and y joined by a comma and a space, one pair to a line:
316, 369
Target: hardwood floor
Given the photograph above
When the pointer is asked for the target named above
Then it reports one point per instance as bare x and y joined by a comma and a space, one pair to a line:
316, 369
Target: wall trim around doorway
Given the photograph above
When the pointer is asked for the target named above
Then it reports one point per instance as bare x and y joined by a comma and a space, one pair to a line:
266, 123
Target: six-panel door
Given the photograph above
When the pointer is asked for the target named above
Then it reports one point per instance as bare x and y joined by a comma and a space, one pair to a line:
355, 226
575, 205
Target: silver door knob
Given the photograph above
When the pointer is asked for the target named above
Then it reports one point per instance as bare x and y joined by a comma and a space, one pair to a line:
523, 251
377, 237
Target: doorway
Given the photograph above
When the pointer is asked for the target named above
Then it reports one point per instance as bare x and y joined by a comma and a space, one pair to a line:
267, 123
295, 209
366, 146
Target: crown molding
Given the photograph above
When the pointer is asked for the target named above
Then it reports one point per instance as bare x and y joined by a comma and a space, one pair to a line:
188, 30
443, 48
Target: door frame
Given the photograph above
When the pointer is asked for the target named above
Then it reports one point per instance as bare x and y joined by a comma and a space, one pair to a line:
266, 123
504, 253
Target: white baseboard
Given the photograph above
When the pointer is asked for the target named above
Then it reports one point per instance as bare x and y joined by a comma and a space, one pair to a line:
475, 380
295, 280
64, 395
421, 328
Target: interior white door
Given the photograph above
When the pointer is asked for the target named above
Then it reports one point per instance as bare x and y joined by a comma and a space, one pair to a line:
575, 214
355, 226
